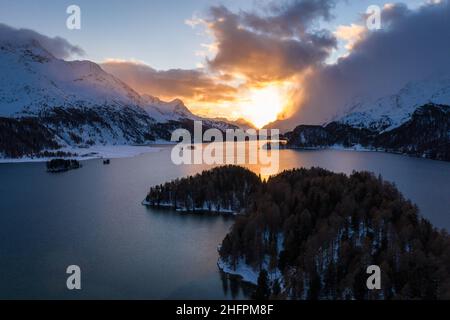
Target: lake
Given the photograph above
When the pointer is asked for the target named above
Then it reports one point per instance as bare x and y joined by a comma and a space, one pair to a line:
92, 217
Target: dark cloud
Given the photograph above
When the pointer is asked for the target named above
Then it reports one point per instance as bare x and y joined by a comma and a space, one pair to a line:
57, 46
412, 45
289, 19
175, 83
272, 47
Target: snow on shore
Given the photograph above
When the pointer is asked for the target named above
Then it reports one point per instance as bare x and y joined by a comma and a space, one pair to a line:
205, 208
247, 272
94, 152
250, 274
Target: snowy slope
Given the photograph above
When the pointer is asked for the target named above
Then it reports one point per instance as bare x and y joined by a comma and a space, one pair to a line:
33, 81
47, 102
75, 101
392, 111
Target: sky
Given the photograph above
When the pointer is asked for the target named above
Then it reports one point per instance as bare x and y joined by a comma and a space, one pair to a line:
223, 58
151, 31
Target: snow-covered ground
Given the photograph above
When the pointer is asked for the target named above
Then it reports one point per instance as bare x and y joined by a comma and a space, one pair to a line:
356, 147
250, 274
94, 152
246, 272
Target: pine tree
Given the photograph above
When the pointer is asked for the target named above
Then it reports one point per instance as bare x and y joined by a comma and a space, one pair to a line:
262, 290
276, 288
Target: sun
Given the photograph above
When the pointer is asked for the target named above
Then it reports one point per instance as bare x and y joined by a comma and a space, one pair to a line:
262, 105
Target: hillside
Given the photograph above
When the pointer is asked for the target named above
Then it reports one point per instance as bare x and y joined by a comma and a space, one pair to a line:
390, 112
414, 121
316, 232
48, 103
425, 134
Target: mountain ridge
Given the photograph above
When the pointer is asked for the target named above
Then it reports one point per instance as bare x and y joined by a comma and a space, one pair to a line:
389, 112
77, 104
415, 121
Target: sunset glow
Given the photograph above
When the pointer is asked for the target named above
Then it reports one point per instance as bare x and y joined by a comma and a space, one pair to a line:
262, 105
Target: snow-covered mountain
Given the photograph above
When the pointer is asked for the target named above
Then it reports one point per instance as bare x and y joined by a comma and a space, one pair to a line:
47, 102
415, 121
387, 113
176, 111
33, 82
163, 111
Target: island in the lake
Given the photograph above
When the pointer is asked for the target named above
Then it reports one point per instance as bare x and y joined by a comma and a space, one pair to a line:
311, 234
62, 165
220, 190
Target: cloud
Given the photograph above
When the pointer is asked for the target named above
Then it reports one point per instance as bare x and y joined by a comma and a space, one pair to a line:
57, 46
275, 46
176, 83
289, 19
411, 45
270, 48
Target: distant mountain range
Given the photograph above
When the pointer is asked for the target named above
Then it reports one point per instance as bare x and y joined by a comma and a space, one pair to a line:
48, 103
414, 121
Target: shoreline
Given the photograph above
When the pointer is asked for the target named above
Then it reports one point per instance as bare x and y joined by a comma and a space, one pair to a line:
130, 151
360, 148
169, 206
94, 152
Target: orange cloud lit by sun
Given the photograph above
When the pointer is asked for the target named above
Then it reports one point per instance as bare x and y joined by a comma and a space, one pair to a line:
351, 34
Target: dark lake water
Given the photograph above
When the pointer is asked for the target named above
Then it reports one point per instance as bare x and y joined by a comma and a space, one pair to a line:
92, 217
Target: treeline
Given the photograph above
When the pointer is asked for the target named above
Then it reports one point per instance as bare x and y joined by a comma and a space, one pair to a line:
312, 233
225, 189
24, 137
424, 135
